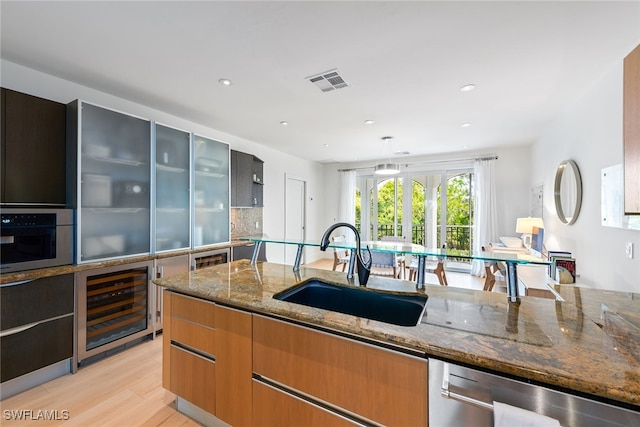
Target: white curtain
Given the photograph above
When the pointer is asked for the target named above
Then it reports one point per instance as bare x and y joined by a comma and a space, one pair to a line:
485, 223
347, 203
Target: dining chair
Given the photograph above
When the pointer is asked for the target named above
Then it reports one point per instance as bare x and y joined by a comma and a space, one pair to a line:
400, 259
433, 265
384, 264
495, 272
340, 256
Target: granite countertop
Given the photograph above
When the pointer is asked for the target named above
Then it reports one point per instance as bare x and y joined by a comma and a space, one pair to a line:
588, 344
16, 276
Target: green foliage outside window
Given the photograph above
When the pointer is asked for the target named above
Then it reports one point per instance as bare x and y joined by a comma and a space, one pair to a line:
459, 210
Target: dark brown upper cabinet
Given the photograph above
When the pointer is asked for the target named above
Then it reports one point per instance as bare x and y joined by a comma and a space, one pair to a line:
33, 151
246, 180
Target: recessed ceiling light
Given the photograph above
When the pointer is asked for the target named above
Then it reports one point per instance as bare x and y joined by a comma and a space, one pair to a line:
369, 122
467, 88
326, 145
284, 123
465, 125
225, 82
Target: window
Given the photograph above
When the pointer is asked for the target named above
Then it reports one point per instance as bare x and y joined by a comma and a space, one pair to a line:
388, 210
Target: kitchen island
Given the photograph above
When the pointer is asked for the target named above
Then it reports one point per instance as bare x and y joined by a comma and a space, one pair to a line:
586, 345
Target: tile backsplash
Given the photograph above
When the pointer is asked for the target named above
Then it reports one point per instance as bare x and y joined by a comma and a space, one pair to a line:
244, 221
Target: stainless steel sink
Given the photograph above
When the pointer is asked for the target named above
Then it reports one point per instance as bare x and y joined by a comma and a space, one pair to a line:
395, 308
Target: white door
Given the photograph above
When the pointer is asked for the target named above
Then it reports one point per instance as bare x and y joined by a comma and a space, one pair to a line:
294, 215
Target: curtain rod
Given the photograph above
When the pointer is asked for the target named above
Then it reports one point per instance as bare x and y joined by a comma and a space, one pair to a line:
426, 162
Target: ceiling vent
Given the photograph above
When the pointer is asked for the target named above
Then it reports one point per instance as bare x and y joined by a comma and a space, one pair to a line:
328, 81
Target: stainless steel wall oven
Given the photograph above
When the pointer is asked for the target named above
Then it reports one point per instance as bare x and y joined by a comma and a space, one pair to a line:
35, 238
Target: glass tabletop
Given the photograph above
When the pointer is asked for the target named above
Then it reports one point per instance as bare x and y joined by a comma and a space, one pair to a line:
407, 248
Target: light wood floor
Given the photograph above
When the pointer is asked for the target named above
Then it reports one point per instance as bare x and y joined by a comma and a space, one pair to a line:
122, 390
125, 389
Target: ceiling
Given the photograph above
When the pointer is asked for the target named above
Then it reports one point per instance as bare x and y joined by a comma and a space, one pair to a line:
404, 63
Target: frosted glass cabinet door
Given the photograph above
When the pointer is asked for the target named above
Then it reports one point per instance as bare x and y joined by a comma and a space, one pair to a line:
114, 182
210, 191
172, 223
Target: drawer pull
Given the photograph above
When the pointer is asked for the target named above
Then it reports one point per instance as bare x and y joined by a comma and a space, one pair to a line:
18, 329
23, 328
6, 240
193, 351
22, 282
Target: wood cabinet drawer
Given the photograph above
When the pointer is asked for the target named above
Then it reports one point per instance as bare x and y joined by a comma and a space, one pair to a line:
275, 408
192, 323
36, 347
36, 300
194, 335
381, 385
193, 377
193, 310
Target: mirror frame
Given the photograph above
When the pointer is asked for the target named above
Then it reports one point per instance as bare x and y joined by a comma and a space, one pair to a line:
558, 196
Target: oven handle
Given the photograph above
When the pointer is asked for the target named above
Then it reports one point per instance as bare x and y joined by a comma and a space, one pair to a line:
447, 394
7, 240
6, 285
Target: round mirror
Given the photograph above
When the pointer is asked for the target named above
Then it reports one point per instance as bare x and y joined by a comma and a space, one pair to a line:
568, 191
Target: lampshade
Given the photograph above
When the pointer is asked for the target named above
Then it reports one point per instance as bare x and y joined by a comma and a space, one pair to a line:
525, 225
386, 168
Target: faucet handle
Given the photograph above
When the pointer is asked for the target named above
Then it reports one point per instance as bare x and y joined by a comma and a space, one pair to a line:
369, 259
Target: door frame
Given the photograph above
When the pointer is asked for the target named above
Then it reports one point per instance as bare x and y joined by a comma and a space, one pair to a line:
287, 212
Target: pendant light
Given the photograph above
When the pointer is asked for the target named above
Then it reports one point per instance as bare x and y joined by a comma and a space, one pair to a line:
386, 168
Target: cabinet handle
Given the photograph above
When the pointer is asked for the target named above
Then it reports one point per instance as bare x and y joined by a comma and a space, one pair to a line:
447, 394
22, 328
6, 240
18, 329
22, 282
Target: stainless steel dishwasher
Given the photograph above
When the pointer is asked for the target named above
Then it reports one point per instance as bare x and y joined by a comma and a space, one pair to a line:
459, 396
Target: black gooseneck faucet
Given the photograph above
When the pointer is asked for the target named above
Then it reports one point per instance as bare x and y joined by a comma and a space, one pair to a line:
364, 268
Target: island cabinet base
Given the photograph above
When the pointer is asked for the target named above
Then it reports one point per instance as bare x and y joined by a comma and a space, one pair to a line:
188, 358
246, 369
206, 357
350, 378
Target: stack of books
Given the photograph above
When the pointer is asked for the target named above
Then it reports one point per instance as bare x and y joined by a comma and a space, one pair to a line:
560, 262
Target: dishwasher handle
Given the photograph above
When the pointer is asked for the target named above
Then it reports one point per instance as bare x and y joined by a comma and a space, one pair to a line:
448, 394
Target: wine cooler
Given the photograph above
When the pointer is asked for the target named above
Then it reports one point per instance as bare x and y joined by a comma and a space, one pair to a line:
205, 259
114, 307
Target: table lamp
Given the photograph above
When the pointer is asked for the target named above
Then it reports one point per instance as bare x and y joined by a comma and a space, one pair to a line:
525, 226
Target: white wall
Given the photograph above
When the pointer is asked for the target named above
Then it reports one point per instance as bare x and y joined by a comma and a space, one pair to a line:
277, 164
590, 133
